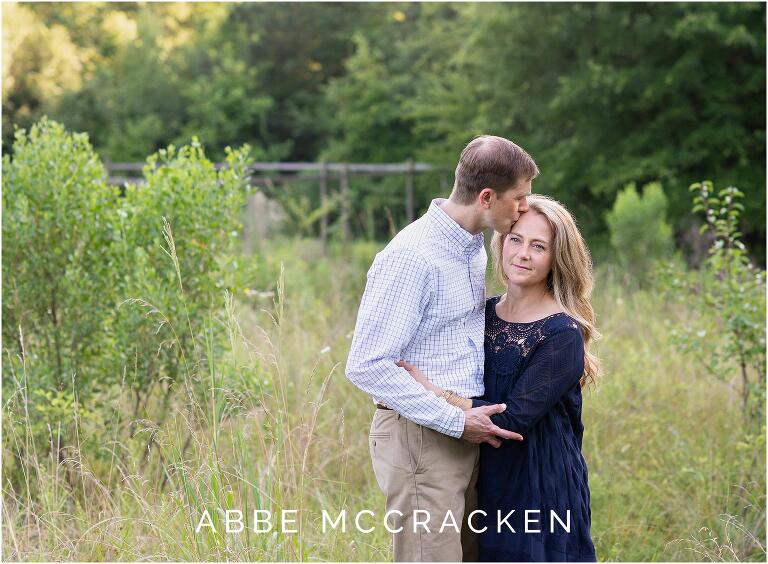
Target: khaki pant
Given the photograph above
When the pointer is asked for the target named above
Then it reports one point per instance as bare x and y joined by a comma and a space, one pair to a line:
420, 469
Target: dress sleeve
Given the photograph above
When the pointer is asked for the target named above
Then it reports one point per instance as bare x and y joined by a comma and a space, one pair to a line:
556, 366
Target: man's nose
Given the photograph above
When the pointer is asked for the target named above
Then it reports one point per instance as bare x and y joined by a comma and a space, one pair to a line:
523, 206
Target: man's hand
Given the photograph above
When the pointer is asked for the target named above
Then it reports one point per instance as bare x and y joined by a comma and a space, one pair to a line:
478, 427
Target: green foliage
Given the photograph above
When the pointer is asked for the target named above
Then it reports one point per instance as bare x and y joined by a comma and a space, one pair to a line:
670, 477
59, 219
580, 89
158, 86
640, 235
175, 280
297, 49
221, 108
732, 290
367, 105
586, 96
601, 94
40, 63
302, 214
668, 464
98, 294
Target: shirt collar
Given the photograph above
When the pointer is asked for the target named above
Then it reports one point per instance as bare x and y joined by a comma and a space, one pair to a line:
456, 236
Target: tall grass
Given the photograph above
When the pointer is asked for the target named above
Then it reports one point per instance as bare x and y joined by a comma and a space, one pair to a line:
273, 424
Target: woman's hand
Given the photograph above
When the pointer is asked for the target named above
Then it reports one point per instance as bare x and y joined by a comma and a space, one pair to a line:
420, 377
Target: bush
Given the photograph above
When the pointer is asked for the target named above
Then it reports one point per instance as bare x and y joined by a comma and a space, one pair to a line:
730, 288
59, 219
639, 232
176, 247
98, 286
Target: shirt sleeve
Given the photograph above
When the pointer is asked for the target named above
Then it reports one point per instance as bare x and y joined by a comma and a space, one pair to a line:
399, 288
556, 366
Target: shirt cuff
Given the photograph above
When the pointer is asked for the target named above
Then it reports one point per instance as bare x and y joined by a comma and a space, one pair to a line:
453, 426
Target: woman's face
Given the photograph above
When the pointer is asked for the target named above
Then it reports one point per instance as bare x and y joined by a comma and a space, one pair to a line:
527, 252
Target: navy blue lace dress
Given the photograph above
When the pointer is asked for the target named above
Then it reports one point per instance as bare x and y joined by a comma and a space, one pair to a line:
535, 369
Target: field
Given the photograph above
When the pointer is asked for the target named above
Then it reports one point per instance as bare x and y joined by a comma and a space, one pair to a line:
673, 474
192, 194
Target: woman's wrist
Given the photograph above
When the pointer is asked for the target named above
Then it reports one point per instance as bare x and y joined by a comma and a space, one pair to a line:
462, 403
437, 390
454, 399
450, 396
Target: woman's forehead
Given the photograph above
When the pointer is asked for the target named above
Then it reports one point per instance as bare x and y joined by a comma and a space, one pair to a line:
533, 225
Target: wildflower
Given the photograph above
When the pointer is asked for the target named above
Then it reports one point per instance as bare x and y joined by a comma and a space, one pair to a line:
325, 350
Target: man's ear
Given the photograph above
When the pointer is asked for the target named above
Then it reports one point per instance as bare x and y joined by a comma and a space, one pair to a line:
485, 196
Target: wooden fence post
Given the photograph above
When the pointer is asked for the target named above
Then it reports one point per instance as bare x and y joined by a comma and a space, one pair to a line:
409, 192
345, 205
323, 203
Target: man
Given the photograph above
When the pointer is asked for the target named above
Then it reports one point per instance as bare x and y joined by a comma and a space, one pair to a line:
424, 302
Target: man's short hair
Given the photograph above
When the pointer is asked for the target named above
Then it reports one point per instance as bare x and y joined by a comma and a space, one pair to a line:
493, 162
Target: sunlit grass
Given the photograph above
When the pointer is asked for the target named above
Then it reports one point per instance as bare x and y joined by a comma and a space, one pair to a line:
273, 424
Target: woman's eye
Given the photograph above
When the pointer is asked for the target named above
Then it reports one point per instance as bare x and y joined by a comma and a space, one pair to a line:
540, 247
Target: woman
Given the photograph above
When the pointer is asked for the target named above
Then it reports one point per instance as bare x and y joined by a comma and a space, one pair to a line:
537, 359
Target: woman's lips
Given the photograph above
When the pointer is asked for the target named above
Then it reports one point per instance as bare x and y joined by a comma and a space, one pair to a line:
520, 267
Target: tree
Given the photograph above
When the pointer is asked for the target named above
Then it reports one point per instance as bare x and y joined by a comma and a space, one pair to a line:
297, 48
39, 64
607, 94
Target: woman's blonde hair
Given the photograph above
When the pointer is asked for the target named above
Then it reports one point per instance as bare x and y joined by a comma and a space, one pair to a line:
570, 278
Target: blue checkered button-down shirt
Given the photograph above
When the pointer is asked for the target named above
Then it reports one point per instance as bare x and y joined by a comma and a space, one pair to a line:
424, 303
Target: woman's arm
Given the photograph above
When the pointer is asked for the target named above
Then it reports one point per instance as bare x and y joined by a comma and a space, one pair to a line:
462, 403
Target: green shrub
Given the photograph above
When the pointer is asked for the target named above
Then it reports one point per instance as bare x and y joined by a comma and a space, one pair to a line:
176, 246
732, 290
58, 273
101, 290
639, 232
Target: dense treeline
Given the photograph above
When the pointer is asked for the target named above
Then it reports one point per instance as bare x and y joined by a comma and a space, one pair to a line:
602, 95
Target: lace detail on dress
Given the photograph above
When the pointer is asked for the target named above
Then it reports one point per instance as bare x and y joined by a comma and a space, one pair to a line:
523, 336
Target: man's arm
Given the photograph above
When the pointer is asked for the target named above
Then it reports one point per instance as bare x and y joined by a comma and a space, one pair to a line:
478, 427
394, 303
